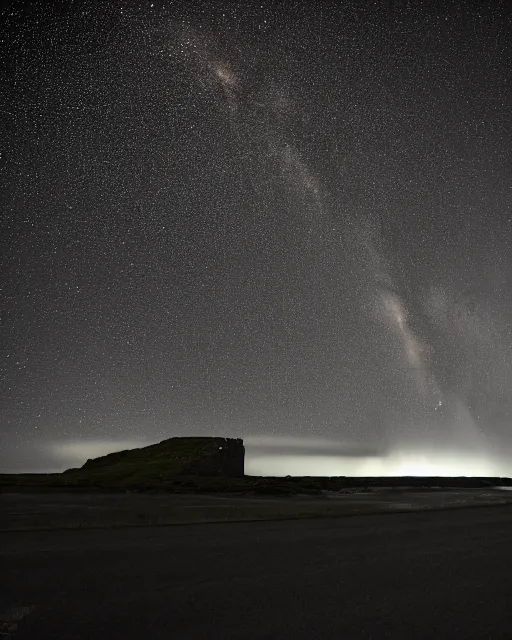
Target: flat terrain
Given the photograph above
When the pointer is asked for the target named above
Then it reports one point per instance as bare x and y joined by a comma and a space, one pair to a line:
49, 510
440, 574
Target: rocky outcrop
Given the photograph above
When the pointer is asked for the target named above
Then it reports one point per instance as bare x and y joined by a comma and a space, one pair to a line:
202, 456
226, 459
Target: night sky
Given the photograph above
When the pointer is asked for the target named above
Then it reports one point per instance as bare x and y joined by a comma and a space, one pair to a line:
286, 221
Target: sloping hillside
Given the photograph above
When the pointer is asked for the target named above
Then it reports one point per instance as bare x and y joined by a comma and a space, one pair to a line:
157, 463
169, 464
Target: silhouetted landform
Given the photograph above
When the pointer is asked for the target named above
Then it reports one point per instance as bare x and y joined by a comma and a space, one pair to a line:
175, 456
210, 465
159, 463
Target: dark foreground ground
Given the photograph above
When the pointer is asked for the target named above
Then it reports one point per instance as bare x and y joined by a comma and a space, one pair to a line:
54, 510
443, 574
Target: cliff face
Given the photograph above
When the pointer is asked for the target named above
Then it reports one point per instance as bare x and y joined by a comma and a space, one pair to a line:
171, 458
226, 459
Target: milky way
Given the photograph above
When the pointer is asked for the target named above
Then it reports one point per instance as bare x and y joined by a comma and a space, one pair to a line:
288, 223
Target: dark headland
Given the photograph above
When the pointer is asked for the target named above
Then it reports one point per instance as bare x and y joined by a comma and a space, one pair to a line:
209, 465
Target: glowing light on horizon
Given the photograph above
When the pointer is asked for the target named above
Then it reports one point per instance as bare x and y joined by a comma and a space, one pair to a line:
274, 460
397, 463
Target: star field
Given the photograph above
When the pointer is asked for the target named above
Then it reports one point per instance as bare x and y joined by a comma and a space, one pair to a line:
255, 219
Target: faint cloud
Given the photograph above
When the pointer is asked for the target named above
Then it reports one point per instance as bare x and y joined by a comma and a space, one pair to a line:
76, 452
